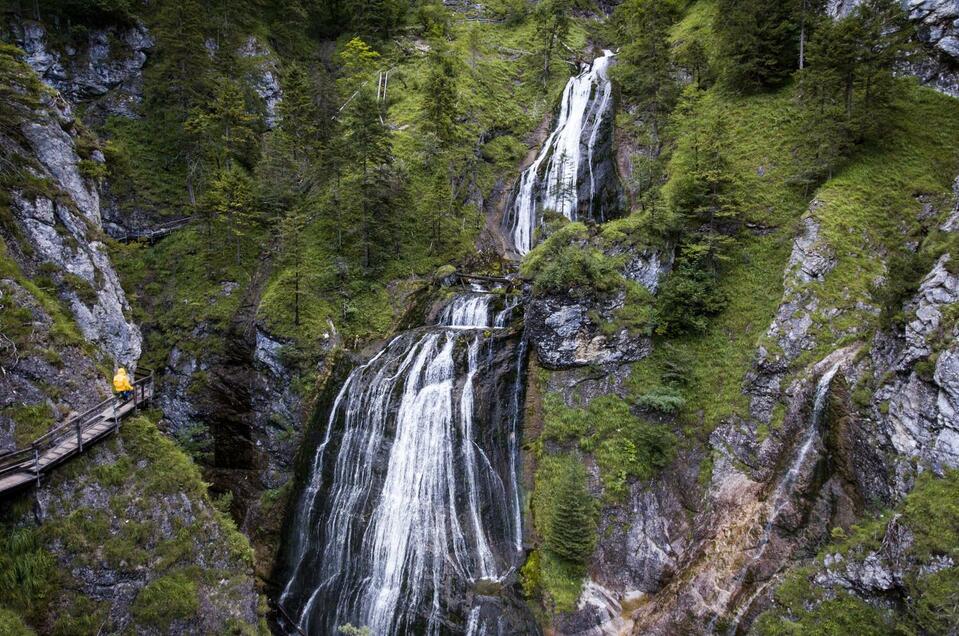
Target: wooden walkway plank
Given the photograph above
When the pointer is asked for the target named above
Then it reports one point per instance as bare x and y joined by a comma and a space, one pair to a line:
70, 439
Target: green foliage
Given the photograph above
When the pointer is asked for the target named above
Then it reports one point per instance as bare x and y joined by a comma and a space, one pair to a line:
906, 270
566, 263
12, 625
350, 630
932, 512
645, 67
27, 570
758, 40
847, 89
843, 614
624, 445
570, 532
30, 421
553, 20
166, 599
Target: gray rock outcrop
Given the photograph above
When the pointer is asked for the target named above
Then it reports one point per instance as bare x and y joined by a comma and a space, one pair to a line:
106, 70
63, 233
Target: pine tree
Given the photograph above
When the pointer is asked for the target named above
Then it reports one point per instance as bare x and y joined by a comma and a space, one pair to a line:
759, 42
571, 527
645, 67
553, 21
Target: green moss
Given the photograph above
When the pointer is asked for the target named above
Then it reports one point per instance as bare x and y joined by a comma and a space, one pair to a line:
12, 625
84, 290
30, 421
166, 599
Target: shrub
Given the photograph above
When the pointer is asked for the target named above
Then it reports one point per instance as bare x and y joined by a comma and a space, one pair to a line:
12, 625
624, 445
566, 263
165, 600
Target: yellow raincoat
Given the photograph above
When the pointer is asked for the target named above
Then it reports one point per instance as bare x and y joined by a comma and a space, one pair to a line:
121, 381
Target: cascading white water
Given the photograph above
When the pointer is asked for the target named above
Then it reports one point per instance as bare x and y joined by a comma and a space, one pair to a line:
468, 310
404, 503
552, 181
781, 495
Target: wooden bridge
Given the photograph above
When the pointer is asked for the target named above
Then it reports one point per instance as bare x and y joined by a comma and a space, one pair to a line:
156, 232
24, 466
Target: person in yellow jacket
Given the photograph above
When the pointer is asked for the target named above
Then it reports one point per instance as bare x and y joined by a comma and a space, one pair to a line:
121, 384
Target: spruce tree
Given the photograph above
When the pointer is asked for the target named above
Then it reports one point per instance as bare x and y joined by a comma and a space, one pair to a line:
571, 526
759, 42
645, 67
440, 96
553, 20
369, 178
846, 89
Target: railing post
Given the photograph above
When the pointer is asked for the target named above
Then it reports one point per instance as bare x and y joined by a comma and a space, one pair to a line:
116, 418
36, 464
79, 437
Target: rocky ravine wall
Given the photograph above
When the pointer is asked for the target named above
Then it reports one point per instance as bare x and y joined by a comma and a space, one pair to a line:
680, 557
120, 532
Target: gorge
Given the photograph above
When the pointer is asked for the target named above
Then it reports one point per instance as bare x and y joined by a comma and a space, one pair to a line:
485, 318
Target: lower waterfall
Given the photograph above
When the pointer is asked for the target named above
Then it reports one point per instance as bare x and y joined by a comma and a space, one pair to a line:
411, 510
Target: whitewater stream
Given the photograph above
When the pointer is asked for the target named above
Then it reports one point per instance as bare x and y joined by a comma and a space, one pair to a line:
413, 498
562, 177
410, 517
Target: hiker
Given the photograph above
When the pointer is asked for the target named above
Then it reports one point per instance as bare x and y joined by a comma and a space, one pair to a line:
121, 384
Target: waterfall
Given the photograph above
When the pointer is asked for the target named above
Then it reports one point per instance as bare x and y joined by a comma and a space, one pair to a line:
554, 179
781, 495
413, 492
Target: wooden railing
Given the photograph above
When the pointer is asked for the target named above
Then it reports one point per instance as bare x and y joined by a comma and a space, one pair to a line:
31, 457
155, 232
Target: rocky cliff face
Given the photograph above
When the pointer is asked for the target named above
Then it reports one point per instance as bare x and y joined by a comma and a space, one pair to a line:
125, 537
832, 432
569, 332
61, 229
938, 25
105, 70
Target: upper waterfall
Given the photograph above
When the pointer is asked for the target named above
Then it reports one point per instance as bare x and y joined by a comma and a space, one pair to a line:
563, 176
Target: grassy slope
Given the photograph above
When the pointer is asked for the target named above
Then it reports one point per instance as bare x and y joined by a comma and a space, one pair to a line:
498, 93
135, 504
867, 209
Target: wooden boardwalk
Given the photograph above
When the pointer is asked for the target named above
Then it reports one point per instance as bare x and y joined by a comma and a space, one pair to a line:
24, 466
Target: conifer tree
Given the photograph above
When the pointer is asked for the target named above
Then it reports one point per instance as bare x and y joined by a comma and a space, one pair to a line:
847, 87
230, 203
759, 42
645, 67
571, 527
369, 181
179, 80
553, 21
439, 96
